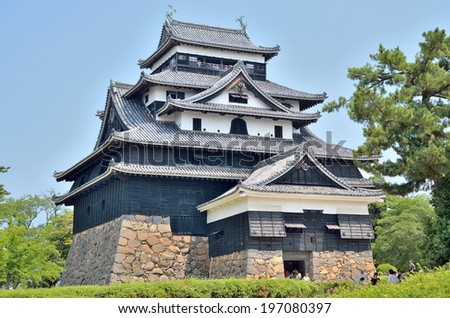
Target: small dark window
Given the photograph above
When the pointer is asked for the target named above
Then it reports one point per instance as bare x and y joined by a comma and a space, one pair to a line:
197, 124
278, 131
238, 127
146, 98
103, 205
175, 95
293, 230
238, 98
89, 210
313, 215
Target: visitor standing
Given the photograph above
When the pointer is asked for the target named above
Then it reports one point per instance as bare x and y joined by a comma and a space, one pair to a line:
392, 278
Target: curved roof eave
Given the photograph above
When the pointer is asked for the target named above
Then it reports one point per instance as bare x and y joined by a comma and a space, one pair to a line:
170, 42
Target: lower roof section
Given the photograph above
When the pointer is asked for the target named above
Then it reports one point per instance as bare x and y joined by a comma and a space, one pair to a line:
180, 171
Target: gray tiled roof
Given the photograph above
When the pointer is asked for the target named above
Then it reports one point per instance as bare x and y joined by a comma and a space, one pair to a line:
215, 36
358, 183
261, 179
315, 190
194, 80
191, 171
206, 36
143, 128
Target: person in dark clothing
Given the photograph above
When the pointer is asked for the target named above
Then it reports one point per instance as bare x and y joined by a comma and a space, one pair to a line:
375, 279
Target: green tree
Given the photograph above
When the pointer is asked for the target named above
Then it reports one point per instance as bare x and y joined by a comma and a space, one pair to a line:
404, 106
437, 245
401, 231
33, 254
3, 192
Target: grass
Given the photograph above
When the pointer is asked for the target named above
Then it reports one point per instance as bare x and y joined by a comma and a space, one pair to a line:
434, 284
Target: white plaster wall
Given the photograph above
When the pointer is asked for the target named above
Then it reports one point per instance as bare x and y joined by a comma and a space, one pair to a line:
214, 122
289, 205
182, 48
159, 92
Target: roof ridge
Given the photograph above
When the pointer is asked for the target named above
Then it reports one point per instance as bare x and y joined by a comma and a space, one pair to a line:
202, 26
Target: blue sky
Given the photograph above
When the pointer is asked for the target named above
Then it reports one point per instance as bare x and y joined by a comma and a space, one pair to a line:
57, 57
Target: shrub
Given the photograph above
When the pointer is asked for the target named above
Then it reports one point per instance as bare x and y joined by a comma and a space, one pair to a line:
434, 284
384, 268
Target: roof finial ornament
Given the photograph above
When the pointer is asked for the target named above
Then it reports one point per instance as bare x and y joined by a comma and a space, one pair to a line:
112, 86
243, 25
169, 14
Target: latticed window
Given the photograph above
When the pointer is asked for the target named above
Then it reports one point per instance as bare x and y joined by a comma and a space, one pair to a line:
278, 131
238, 127
197, 124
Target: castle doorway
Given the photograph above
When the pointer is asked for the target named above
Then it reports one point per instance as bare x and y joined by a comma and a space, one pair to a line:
291, 266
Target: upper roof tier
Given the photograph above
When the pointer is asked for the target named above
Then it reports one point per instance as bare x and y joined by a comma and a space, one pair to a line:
178, 32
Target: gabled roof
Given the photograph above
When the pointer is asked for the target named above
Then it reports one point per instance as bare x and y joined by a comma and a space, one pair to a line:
263, 180
228, 80
269, 171
205, 36
238, 74
175, 78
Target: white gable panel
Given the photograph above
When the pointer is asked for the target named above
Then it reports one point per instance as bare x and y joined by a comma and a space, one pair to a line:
252, 100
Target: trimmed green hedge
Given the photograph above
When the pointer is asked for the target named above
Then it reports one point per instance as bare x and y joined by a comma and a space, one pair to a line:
436, 284
420, 285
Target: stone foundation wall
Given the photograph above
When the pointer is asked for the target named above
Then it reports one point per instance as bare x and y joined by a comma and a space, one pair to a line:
231, 265
134, 248
142, 248
250, 264
335, 265
91, 255
265, 264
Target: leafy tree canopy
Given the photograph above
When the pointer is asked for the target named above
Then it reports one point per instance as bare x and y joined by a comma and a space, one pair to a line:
401, 231
33, 253
404, 106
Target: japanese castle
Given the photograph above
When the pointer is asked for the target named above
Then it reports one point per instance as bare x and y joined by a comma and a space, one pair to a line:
206, 168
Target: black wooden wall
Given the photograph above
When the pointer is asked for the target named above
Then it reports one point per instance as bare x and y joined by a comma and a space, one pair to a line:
173, 197
99, 206
232, 234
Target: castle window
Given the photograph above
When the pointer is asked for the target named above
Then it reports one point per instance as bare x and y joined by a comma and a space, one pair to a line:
175, 95
294, 227
146, 98
238, 98
197, 124
278, 131
103, 205
238, 127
